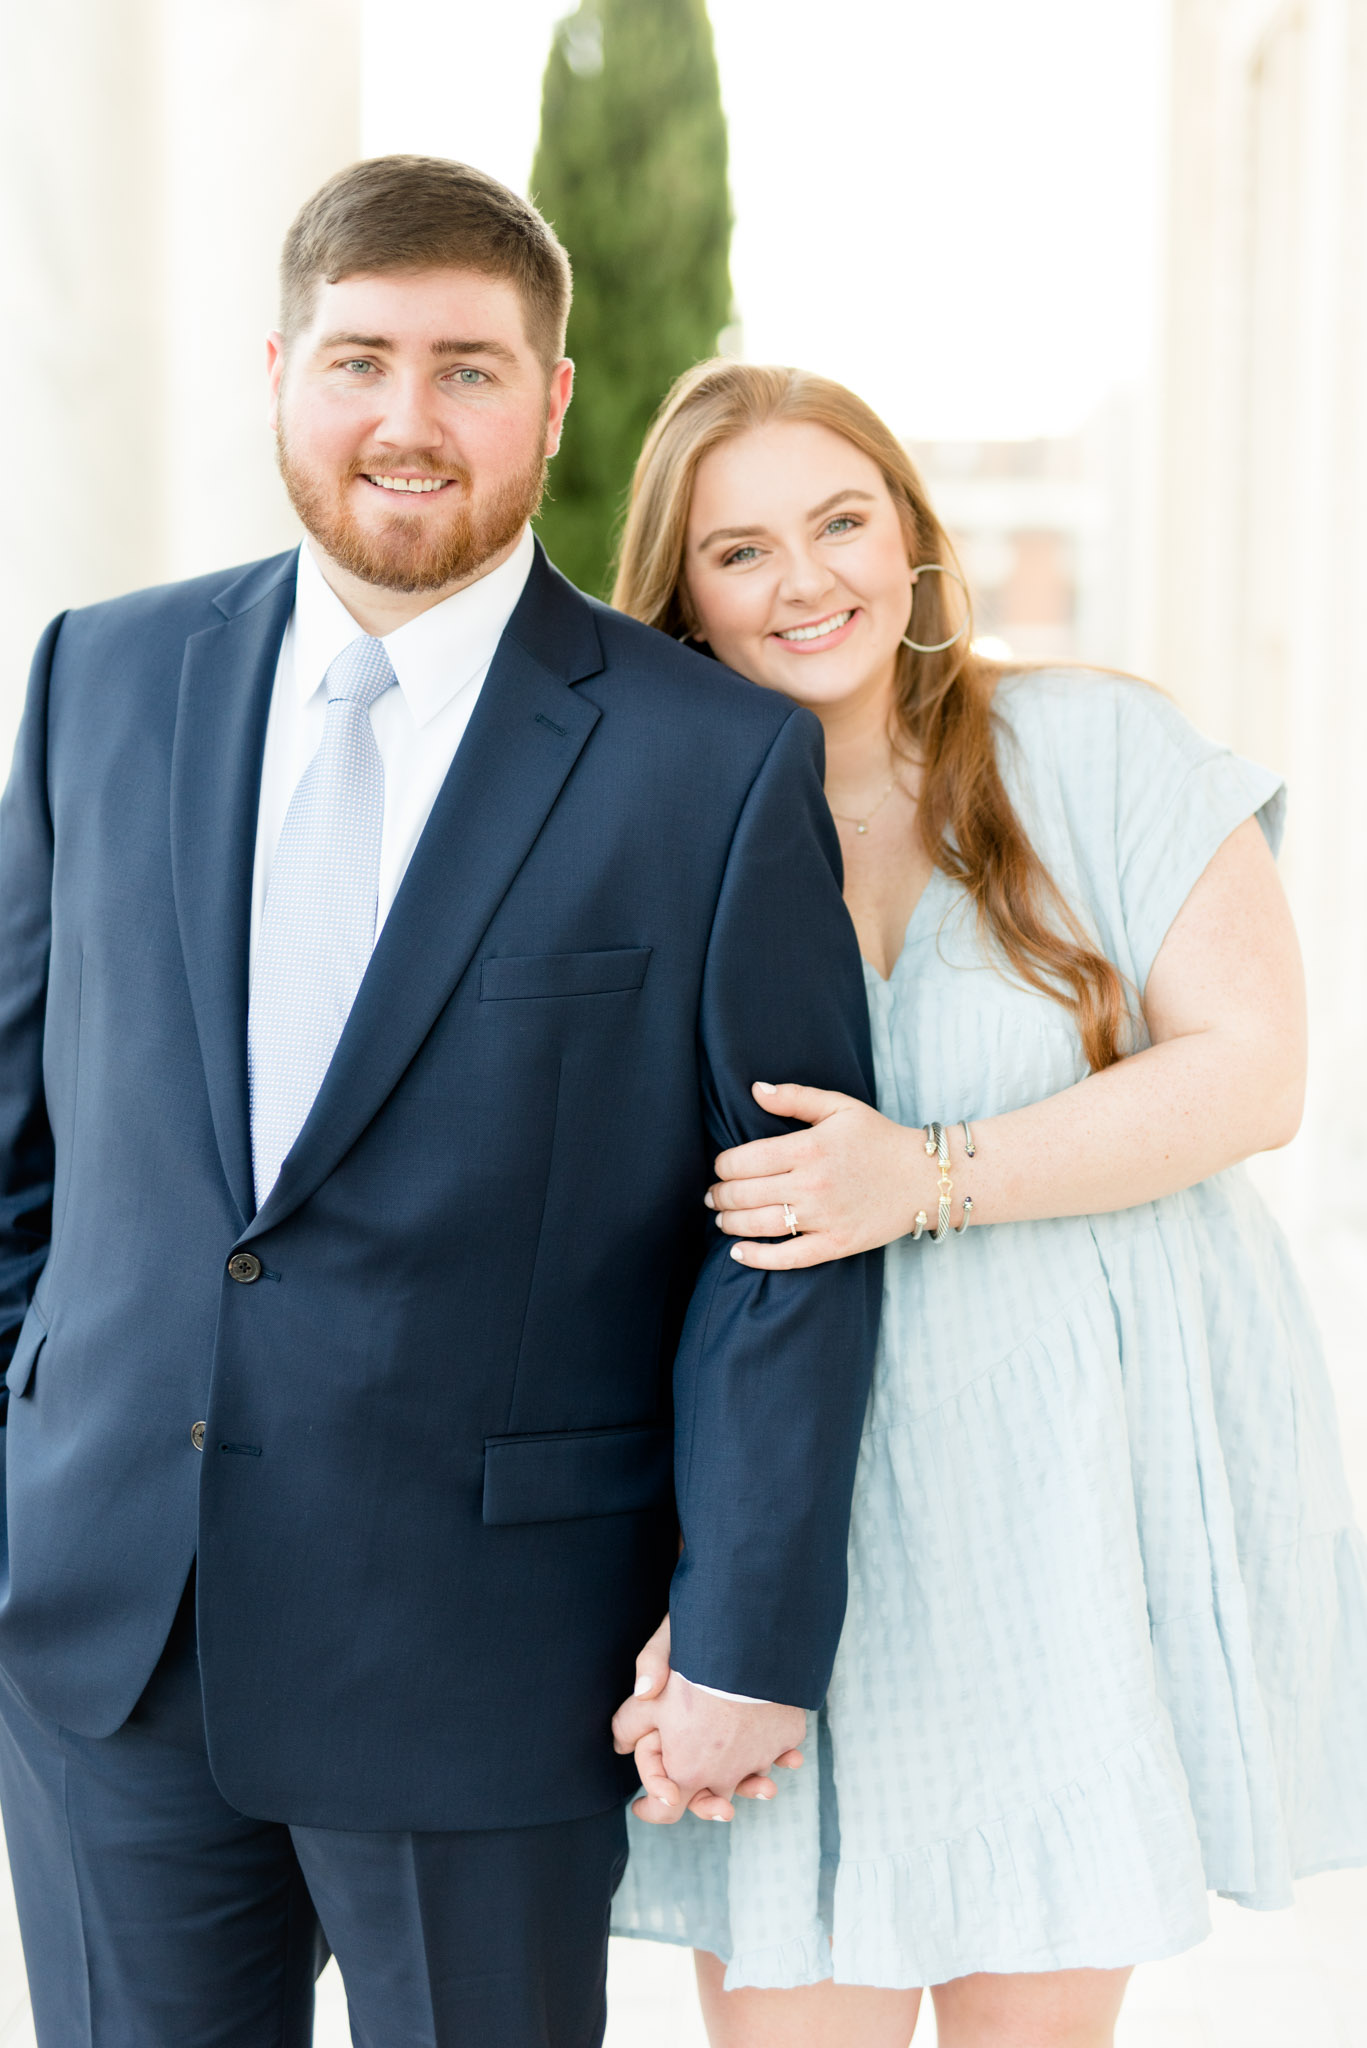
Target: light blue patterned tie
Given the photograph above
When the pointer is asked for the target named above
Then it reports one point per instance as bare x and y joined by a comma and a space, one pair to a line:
318, 924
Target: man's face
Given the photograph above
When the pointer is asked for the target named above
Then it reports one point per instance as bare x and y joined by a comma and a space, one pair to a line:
413, 423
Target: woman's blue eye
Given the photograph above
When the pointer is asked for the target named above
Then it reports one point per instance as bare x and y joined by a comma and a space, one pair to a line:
737, 555
841, 521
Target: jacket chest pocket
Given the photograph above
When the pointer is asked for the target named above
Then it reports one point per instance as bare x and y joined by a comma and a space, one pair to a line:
523, 977
572, 1475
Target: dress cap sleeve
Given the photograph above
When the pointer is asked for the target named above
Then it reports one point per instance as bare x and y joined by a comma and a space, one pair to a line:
1179, 796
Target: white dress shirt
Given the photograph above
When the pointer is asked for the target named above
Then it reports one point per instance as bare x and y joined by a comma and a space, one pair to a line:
440, 658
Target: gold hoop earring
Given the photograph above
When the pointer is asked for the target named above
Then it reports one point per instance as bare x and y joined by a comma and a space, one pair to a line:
937, 569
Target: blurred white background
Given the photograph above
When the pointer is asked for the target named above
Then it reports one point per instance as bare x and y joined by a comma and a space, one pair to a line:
1102, 262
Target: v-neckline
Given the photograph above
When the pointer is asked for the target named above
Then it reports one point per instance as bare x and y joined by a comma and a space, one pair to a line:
886, 980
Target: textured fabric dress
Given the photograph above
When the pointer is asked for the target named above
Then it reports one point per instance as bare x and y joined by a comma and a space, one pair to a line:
1106, 1645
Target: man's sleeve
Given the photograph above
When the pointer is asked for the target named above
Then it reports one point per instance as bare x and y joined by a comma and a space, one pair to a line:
26, 1153
772, 1374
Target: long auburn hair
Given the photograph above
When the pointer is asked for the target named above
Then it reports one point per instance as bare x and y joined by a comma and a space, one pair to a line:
944, 701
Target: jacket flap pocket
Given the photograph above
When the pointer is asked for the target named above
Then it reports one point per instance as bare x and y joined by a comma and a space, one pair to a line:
572, 1475
520, 976
32, 1337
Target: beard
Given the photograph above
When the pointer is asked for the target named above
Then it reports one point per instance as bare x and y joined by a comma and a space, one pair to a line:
412, 552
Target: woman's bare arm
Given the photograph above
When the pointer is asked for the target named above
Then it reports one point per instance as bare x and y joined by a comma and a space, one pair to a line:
1223, 1078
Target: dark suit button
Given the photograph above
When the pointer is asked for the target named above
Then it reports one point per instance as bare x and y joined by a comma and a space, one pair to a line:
244, 1266
197, 1436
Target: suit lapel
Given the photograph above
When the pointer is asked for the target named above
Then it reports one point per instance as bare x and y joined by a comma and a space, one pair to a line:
524, 737
225, 695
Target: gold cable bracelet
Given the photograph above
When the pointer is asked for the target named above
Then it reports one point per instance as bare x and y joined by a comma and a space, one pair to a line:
922, 1223
937, 1148
941, 1230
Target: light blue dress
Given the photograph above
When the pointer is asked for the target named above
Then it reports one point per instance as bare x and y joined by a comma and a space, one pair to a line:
1106, 1644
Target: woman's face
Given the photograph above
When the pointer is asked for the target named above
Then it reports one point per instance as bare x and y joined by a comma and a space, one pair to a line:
796, 564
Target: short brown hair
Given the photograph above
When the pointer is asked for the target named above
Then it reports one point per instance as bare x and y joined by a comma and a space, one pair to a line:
392, 213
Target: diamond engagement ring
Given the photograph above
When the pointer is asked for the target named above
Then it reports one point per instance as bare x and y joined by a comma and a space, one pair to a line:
790, 1219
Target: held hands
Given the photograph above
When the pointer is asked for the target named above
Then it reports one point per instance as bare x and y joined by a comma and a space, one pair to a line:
696, 1753
853, 1181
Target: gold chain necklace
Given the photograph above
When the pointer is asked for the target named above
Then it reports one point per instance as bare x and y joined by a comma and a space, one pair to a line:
861, 825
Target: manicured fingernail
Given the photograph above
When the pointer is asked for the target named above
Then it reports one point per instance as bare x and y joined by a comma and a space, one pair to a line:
708, 1203
766, 1087
667, 1798
738, 1254
642, 1685
764, 1795
718, 1817
720, 1222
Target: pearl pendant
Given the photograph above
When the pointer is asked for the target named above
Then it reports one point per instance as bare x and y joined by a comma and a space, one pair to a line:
861, 828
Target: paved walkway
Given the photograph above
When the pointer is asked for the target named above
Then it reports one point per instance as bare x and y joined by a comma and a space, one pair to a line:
1263, 1980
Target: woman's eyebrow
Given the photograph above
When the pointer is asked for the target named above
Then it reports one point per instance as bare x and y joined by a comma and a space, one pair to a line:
835, 499
748, 532
730, 533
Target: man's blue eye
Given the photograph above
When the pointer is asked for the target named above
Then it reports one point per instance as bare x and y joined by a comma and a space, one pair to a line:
358, 363
471, 376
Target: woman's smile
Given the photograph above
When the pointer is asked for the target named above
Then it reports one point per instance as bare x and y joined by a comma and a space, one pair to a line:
816, 636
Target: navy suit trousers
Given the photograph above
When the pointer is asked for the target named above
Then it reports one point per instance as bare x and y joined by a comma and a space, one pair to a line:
155, 1915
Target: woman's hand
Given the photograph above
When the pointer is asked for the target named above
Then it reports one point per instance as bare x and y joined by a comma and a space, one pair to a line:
635, 1729
853, 1181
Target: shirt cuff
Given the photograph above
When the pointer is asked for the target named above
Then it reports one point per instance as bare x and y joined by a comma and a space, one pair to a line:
747, 1699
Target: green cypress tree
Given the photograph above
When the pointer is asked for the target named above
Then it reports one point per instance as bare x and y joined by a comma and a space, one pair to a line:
631, 170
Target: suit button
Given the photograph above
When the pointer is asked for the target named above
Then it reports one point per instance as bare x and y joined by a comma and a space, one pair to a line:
197, 1436
244, 1267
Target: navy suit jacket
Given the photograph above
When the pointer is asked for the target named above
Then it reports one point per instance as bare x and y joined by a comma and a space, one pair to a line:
494, 1333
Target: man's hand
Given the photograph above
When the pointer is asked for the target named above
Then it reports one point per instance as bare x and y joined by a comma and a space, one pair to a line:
696, 1753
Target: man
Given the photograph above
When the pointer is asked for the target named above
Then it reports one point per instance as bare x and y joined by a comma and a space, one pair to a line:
389, 937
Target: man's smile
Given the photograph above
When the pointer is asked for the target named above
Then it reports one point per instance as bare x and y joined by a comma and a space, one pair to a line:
409, 483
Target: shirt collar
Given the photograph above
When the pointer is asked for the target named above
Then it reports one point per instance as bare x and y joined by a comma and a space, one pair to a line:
436, 655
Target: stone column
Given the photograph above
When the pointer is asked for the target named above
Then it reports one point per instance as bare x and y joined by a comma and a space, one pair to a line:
1262, 522
151, 155
80, 275
260, 103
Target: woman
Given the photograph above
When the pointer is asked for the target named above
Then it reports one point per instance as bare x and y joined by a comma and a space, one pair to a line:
1106, 1645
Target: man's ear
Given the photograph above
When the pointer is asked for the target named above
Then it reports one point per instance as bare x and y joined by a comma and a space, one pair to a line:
557, 402
275, 370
